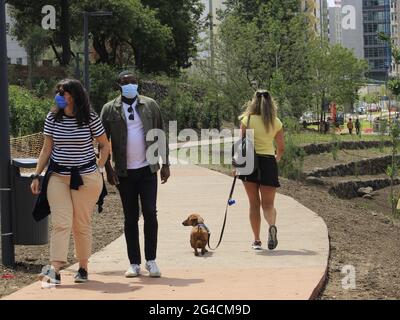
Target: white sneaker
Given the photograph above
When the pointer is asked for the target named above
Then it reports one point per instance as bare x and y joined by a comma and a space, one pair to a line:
133, 271
152, 268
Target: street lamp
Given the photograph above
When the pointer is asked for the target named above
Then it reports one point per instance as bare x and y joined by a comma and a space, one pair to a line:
211, 17
7, 242
86, 16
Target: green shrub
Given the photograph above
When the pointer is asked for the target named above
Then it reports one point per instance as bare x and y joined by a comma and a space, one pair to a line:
291, 124
27, 112
291, 164
102, 85
211, 115
180, 106
41, 89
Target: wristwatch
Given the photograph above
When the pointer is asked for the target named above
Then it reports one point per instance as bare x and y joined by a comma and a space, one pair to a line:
35, 176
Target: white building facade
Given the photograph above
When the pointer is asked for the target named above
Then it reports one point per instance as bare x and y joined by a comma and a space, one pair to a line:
15, 53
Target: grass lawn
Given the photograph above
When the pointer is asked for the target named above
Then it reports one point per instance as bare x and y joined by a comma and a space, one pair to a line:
311, 137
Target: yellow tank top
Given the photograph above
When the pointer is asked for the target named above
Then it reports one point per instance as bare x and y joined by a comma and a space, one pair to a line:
263, 139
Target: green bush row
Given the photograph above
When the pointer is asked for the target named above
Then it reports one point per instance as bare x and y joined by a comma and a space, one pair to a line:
27, 112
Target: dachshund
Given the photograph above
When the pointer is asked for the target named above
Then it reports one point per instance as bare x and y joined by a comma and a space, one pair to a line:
199, 234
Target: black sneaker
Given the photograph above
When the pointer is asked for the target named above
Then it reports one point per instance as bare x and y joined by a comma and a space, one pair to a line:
81, 276
272, 238
49, 275
257, 245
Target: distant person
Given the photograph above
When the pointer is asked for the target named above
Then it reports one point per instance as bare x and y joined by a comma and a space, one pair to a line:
358, 126
73, 181
261, 184
350, 126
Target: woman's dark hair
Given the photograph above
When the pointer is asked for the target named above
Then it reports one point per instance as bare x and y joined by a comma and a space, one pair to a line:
82, 106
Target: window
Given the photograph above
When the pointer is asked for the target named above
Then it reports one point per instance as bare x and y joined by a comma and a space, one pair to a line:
19, 60
8, 60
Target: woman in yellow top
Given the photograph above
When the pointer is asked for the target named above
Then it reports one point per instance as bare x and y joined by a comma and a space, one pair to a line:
262, 183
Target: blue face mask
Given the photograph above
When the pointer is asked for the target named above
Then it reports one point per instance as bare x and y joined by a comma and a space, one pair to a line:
60, 101
129, 90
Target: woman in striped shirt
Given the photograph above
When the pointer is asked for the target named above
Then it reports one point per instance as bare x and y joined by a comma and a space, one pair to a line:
73, 181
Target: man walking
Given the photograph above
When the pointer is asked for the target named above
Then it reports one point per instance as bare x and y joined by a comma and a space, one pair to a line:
358, 127
127, 120
350, 126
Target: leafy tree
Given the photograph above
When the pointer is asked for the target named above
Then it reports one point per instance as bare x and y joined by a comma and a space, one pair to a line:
263, 44
28, 14
157, 36
133, 26
337, 73
35, 41
183, 17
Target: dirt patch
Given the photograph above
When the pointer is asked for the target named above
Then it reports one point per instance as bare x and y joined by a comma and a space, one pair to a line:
107, 226
362, 235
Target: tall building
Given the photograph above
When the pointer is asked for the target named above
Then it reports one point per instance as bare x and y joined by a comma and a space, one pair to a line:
318, 10
15, 53
335, 23
352, 27
376, 19
346, 26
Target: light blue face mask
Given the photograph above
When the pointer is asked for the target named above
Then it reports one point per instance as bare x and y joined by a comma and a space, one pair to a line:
60, 101
129, 90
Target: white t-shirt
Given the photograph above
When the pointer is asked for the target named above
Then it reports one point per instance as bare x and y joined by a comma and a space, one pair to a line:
136, 144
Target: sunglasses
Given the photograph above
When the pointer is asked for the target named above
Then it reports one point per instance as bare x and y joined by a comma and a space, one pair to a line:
132, 114
60, 93
262, 93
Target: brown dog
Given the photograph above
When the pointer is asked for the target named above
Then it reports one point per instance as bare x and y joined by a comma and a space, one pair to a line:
199, 234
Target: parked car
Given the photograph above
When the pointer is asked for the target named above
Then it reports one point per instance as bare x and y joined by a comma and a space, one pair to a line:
360, 110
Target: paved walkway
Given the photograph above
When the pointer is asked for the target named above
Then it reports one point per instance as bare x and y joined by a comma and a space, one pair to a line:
295, 270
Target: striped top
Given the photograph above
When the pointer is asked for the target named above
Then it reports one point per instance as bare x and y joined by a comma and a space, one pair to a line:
73, 145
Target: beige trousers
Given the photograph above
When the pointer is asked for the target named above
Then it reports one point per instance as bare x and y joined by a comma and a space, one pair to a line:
72, 210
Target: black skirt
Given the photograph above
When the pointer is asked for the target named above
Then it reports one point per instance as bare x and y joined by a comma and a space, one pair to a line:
266, 172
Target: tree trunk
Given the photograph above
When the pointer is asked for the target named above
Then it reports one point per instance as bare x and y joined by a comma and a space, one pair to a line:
100, 47
53, 46
65, 33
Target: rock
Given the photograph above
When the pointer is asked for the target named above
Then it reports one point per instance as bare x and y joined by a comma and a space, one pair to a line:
374, 213
315, 181
363, 191
386, 220
367, 196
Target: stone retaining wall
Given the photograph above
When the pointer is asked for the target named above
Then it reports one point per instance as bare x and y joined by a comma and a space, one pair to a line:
346, 145
363, 167
348, 190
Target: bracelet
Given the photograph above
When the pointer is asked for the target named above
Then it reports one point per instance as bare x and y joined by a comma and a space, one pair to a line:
35, 176
101, 169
